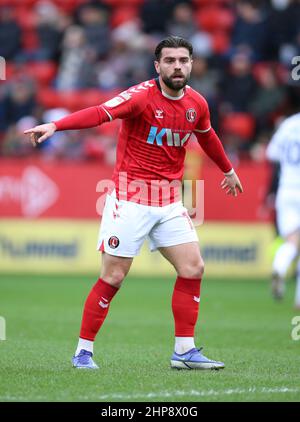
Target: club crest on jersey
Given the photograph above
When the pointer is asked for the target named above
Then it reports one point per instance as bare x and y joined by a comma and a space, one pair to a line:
191, 115
159, 114
113, 242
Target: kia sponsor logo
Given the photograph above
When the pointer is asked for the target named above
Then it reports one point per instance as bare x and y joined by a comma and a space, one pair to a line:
34, 191
168, 137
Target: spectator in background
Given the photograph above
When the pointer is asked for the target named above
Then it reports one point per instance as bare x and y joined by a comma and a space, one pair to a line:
113, 72
93, 19
49, 26
72, 145
292, 63
57, 146
154, 15
283, 25
203, 44
128, 60
76, 69
10, 34
20, 100
206, 80
269, 99
238, 87
14, 143
251, 28
93, 54
3, 122
182, 21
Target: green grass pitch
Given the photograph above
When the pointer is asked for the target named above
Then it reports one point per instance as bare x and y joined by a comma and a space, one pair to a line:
239, 324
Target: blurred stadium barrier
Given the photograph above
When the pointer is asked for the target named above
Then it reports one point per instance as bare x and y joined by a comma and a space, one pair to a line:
49, 222
66, 189
69, 246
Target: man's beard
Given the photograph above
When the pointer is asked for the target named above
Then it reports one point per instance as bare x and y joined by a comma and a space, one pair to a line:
175, 84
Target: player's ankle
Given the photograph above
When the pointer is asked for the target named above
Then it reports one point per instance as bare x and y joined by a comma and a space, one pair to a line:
85, 345
184, 344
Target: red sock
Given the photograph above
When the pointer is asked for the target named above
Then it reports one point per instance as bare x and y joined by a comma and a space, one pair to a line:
96, 308
185, 305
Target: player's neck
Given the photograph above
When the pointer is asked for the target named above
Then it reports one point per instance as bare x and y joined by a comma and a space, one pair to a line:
170, 92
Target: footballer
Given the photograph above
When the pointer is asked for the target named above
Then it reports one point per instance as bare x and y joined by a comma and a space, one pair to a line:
284, 148
158, 118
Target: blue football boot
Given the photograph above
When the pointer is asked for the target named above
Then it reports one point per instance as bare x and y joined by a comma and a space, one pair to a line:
194, 359
84, 360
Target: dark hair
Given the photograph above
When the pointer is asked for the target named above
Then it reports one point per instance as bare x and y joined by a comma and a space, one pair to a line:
172, 42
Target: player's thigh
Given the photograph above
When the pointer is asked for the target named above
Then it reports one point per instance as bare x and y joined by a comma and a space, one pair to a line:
124, 227
174, 228
114, 268
186, 259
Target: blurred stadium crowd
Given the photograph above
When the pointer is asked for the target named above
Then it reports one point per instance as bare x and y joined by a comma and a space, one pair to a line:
64, 55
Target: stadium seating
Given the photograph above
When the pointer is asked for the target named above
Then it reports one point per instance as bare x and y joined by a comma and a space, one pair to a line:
241, 125
206, 3
42, 72
73, 100
16, 3
220, 41
121, 15
68, 6
122, 3
260, 68
213, 19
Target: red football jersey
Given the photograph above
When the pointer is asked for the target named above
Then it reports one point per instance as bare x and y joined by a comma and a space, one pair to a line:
155, 131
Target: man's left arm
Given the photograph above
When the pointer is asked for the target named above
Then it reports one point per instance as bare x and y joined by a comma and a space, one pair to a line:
212, 146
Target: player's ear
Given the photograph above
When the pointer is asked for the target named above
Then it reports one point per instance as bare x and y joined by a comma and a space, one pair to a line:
157, 67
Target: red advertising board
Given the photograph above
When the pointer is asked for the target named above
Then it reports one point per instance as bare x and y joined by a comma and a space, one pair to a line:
41, 189
65, 189
248, 206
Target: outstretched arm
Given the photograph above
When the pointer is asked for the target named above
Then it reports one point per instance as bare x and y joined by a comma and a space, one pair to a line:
125, 105
83, 119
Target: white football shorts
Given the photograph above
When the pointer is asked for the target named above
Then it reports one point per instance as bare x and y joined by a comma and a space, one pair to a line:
125, 225
288, 211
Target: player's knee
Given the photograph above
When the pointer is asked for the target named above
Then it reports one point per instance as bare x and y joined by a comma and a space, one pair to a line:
193, 270
115, 277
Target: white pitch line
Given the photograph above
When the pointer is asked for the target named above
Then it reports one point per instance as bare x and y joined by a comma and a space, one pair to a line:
195, 393
20, 398
170, 394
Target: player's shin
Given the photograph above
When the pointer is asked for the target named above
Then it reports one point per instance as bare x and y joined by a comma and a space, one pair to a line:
95, 311
185, 307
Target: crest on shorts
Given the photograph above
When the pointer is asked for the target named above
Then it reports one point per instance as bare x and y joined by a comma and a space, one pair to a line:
191, 115
113, 242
